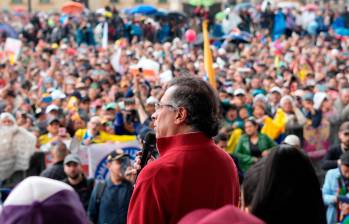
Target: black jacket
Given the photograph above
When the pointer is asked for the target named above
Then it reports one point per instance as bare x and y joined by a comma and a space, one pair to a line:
56, 171
84, 190
331, 157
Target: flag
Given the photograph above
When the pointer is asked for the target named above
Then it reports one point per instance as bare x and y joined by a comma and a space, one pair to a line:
94, 157
275, 127
105, 36
208, 56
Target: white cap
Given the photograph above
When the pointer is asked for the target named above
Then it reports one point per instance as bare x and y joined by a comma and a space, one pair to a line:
292, 140
276, 89
51, 108
319, 99
151, 100
239, 92
57, 94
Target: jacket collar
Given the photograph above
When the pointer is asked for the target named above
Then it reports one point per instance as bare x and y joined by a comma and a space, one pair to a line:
164, 144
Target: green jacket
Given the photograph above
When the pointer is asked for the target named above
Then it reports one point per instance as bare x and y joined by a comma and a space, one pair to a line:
242, 151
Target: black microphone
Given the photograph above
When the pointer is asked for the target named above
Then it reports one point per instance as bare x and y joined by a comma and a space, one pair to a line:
149, 145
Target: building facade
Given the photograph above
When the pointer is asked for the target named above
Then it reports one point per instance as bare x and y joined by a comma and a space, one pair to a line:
55, 5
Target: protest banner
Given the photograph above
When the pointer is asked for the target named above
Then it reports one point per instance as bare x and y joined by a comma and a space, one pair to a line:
94, 157
12, 49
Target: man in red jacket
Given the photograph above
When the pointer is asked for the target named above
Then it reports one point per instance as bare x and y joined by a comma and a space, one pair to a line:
192, 172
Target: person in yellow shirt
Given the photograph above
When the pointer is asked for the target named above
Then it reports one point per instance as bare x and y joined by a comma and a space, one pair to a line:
54, 134
94, 135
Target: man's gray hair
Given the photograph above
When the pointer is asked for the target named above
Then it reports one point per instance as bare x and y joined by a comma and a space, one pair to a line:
201, 102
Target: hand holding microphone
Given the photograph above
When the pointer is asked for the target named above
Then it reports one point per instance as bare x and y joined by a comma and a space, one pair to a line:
145, 156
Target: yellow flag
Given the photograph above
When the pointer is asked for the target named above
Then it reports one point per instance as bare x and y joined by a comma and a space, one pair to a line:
208, 56
275, 127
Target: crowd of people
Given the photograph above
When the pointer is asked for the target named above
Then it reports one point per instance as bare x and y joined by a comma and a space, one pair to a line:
283, 100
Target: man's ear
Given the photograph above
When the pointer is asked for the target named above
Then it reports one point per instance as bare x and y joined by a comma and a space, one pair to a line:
182, 115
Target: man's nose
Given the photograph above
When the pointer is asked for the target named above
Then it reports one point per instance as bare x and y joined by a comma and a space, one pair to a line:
153, 116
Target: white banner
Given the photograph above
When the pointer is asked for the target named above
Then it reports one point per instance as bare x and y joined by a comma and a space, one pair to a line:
95, 156
13, 48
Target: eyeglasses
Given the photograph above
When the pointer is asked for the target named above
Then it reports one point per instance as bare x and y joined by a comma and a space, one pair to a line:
160, 105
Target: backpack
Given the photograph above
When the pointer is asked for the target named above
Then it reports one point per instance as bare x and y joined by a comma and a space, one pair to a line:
100, 187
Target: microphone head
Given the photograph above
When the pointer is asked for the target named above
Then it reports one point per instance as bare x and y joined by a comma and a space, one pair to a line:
150, 138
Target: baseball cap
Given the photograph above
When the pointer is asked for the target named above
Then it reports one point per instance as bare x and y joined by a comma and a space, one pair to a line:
72, 158
276, 89
116, 155
319, 98
51, 108
54, 203
344, 127
292, 140
238, 92
57, 94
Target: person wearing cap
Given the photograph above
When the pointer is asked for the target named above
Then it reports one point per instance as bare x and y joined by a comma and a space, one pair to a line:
294, 141
331, 158
53, 129
240, 100
94, 135
295, 117
336, 187
275, 97
168, 188
58, 152
39, 200
55, 133
77, 180
110, 199
52, 110
57, 98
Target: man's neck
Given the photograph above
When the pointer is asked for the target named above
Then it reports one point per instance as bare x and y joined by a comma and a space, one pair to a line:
115, 180
75, 181
185, 130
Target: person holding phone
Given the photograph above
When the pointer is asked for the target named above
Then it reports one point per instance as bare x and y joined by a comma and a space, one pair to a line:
113, 193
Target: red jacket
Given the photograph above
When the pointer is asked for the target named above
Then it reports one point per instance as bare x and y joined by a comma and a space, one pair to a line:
191, 173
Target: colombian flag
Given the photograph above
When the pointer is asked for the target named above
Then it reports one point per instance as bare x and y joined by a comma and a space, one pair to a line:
208, 56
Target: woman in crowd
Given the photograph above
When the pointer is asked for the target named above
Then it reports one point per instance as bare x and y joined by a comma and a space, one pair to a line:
252, 146
288, 190
295, 117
